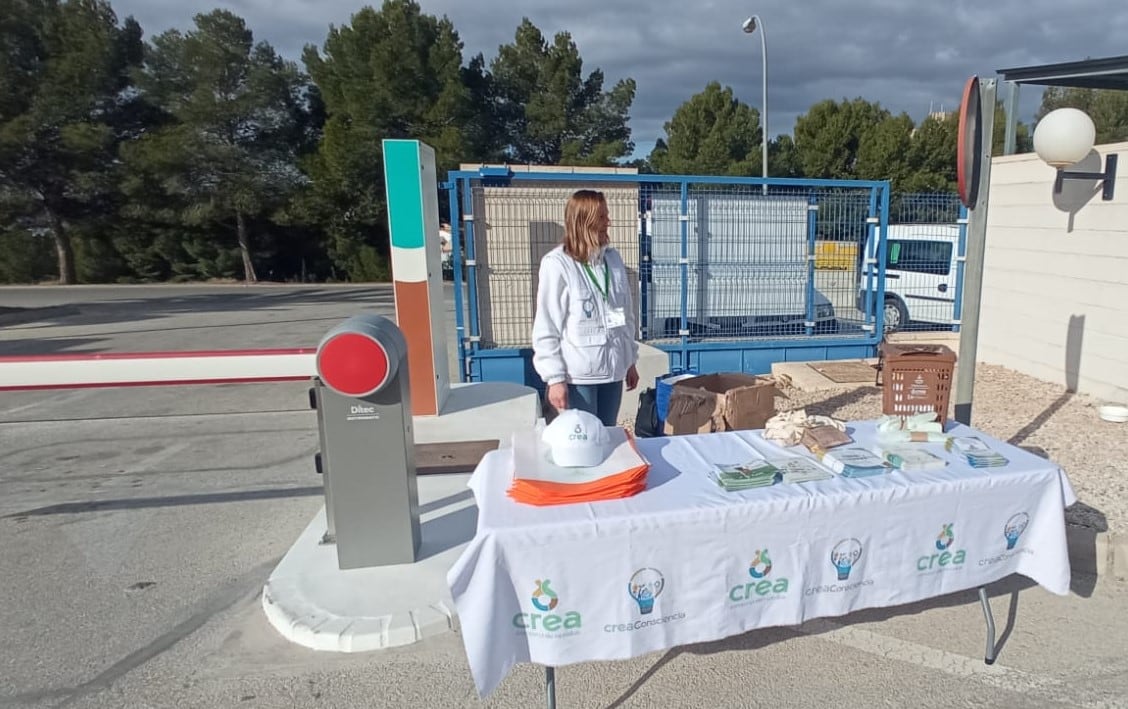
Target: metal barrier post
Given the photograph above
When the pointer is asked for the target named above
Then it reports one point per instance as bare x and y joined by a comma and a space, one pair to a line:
809, 292
456, 262
363, 398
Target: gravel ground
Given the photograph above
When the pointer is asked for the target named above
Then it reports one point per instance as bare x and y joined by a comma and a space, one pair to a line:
1040, 417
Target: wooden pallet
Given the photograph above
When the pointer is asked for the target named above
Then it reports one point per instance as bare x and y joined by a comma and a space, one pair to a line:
846, 371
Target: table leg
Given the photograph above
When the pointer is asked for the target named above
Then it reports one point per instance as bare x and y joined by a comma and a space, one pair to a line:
989, 657
550, 687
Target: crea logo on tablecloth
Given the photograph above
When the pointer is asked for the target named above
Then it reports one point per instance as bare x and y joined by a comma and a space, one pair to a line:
1012, 531
1014, 528
545, 623
761, 588
645, 586
943, 559
844, 558
844, 555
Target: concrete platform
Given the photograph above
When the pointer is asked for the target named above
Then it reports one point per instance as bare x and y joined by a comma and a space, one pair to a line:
652, 363
804, 377
312, 602
480, 411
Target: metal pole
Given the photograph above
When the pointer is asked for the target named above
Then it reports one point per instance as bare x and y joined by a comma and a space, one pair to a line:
989, 655
1011, 108
752, 24
550, 687
973, 271
764, 102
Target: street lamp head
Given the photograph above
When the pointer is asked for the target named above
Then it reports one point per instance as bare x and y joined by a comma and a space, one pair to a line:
1064, 137
750, 25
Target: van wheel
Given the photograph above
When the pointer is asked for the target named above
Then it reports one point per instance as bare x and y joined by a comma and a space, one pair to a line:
896, 316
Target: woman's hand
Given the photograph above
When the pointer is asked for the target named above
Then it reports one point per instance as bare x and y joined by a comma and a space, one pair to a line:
632, 378
558, 395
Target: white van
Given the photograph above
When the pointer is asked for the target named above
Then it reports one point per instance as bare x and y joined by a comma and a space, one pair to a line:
920, 275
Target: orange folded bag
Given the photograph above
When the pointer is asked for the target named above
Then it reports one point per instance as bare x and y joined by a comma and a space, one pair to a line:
539, 480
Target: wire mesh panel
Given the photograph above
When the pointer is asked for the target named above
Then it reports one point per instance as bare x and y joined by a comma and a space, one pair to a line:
756, 266
514, 227
709, 258
923, 262
746, 258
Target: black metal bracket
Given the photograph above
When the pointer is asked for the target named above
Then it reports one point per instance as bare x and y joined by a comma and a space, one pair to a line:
1106, 178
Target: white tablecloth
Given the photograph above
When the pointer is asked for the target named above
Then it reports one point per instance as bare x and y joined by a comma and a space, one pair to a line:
687, 562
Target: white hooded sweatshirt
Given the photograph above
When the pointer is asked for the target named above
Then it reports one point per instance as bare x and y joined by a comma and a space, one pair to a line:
571, 340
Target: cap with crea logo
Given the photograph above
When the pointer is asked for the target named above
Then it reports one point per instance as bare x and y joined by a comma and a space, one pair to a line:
576, 439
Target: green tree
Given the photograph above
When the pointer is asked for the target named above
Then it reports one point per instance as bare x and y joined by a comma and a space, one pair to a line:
932, 155
228, 158
483, 129
712, 133
1107, 108
830, 134
64, 74
392, 73
548, 113
883, 151
783, 157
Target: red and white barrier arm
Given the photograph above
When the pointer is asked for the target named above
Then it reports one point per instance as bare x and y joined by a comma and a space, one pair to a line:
80, 371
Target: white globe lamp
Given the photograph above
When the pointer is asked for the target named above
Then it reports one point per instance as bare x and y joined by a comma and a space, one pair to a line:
1064, 137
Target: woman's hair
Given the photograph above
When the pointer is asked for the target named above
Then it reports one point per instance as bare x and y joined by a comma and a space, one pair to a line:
583, 234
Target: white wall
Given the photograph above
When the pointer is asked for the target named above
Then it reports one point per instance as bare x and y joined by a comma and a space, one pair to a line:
1055, 282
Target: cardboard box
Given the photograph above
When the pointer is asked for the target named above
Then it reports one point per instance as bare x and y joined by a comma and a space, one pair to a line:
720, 402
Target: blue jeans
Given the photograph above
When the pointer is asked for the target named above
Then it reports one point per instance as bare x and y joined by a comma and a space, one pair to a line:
600, 400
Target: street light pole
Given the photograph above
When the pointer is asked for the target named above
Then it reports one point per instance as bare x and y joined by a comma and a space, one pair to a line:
750, 26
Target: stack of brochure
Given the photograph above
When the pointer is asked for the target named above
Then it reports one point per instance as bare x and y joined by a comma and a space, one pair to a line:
853, 462
800, 470
977, 453
758, 473
909, 457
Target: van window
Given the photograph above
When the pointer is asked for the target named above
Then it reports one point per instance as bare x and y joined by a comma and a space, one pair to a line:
933, 257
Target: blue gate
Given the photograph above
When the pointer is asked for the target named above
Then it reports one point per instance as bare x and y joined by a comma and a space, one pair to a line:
730, 276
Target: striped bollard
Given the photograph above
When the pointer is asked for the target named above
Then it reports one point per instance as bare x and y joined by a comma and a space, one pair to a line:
413, 222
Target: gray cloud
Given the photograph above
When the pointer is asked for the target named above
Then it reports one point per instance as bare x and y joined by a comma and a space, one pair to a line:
907, 55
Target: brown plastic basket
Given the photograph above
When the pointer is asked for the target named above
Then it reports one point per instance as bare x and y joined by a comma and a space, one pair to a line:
915, 378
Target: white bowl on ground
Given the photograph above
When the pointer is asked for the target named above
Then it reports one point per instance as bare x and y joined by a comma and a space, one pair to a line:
1117, 413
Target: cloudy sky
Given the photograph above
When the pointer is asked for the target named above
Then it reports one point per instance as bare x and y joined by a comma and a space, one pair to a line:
908, 54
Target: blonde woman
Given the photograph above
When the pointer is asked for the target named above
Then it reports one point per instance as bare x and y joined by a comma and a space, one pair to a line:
584, 344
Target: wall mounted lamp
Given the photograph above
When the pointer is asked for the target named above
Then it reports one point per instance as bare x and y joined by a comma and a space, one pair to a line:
1064, 137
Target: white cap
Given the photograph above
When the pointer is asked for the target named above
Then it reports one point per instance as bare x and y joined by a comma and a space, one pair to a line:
576, 439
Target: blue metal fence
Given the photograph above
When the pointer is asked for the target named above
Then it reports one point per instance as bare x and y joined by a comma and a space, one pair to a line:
729, 278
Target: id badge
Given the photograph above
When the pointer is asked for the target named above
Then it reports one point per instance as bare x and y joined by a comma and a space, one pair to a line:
615, 317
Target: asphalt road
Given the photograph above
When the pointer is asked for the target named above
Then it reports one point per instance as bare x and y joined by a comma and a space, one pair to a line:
138, 527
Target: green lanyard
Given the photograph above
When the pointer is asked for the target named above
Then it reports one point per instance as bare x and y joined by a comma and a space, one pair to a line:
606, 279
